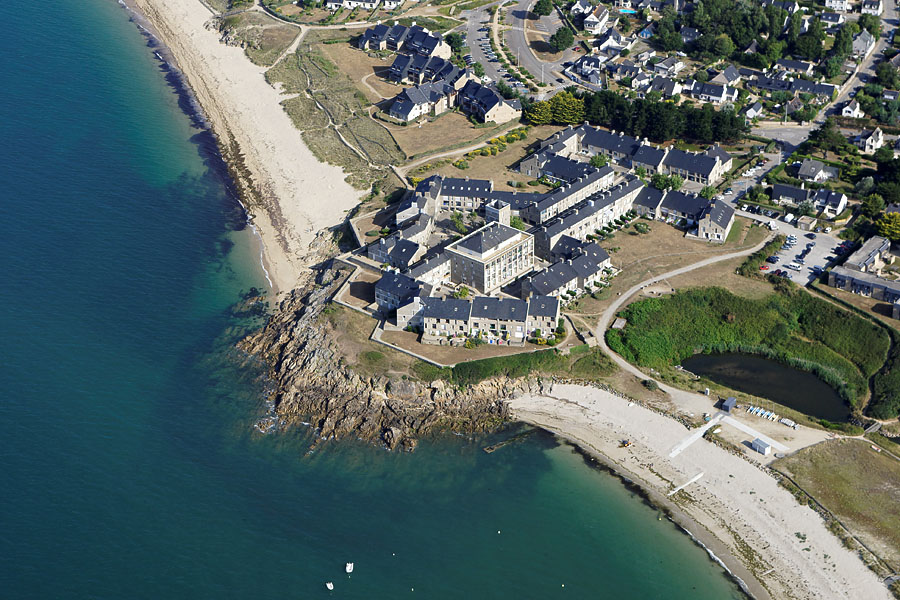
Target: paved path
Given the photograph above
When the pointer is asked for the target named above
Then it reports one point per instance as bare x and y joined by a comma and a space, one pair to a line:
610, 312
695, 435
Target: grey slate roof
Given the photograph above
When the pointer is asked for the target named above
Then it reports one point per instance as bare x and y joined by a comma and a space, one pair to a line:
691, 205
475, 188
447, 308
552, 278
649, 197
810, 168
719, 213
398, 284
566, 247
502, 309
649, 155
781, 190
488, 237
566, 169
543, 306
688, 161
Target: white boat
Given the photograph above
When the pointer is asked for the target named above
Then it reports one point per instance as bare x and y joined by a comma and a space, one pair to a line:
349, 567
329, 585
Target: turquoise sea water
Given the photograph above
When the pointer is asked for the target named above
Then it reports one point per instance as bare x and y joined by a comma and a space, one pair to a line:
129, 469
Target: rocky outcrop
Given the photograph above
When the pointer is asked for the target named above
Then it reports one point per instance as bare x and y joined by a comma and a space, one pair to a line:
313, 384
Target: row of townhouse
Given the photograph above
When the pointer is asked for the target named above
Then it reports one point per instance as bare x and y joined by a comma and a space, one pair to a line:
414, 39
830, 202
495, 320
579, 271
586, 217
417, 69
458, 88
334, 5
405, 246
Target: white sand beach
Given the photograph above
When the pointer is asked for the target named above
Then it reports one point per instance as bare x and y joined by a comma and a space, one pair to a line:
734, 502
300, 197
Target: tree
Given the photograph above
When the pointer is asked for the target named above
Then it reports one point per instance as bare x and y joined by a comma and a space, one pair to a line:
567, 109
539, 113
708, 192
871, 23
598, 161
883, 154
455, 41
478, 69
517, 223
806, 209
887, 75
889, 226
660, 181
543, 8
562, 39
864, 186
872, 205
723, 46
675, 182
462, 292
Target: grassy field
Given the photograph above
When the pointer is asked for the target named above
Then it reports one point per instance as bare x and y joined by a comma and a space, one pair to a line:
857, 484
580, 363
312, 74
264, 39
664, 249
791, 326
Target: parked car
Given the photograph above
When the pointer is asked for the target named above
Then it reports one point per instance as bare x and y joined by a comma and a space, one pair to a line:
763, 267
772, 259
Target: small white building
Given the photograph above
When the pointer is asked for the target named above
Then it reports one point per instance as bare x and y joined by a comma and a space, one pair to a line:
872, 7
841, 5
852, 110
761, 447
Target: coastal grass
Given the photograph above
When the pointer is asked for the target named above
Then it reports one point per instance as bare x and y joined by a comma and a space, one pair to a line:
580, 363
304, 113
263, 38
858, 485
789, 325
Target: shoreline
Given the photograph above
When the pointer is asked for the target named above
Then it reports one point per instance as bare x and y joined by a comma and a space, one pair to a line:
267, 159
736, 511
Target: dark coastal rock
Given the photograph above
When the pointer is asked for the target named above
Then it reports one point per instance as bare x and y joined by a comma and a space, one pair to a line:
312, 382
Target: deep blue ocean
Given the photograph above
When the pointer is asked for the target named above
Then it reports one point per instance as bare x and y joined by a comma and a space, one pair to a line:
129, 465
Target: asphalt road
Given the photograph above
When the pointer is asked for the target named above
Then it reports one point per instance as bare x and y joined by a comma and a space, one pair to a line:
867, 67
516, 18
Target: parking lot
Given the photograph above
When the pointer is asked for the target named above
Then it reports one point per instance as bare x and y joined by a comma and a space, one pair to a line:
821, 253
478, 42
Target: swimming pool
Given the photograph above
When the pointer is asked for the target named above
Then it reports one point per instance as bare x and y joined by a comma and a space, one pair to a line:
627, 11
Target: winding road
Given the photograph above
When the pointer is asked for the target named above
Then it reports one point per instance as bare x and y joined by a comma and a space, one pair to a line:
610, 312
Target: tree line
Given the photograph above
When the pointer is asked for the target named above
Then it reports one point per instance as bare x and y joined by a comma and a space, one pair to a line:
656, 120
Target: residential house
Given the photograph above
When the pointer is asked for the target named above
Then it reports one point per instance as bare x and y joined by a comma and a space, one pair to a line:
832, 19
648, 32
863, 44
396, 289
816, 170
680, 205
425, 99
669, 67
870, 141
582, 7
864, 284
391, 4
666, 87
830, 202
374, 38
755, 111
648, 202
352, 4
799, 67
543, 315
890, 95
727, 76
689, 35
852, 110
715, 221
711, 92
614, 42
622, 70
396, 251
556, 280
872, 256
445, 318
487, 104
491, 257
788, 194
499, 320
596, 20
872, 7
840, 5
590, 67
433, 271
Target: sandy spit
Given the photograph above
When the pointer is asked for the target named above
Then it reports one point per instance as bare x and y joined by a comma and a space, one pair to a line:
292, 198
736, 508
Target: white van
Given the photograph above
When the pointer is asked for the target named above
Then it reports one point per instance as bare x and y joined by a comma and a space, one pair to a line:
793, 266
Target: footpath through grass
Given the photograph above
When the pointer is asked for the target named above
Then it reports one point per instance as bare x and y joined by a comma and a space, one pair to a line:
789, 326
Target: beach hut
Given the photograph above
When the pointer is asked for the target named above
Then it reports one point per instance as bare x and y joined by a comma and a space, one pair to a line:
729, 404
761, 447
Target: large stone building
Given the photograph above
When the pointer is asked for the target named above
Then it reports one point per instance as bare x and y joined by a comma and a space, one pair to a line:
491, 257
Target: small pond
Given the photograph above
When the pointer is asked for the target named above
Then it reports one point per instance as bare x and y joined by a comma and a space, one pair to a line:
774, 381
